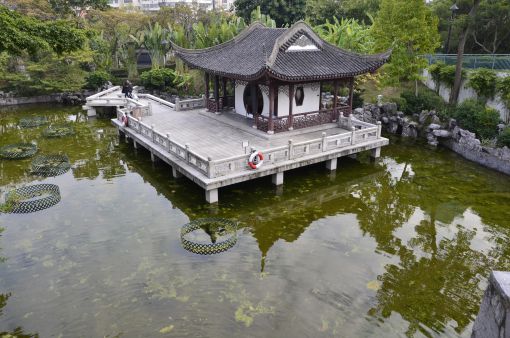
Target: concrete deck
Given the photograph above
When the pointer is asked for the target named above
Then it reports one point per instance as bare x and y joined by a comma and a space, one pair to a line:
211, 135
208, 148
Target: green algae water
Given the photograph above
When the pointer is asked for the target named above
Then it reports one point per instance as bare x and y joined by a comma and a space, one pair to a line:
397, 248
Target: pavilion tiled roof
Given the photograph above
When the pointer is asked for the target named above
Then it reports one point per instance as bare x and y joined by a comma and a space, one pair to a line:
258, 51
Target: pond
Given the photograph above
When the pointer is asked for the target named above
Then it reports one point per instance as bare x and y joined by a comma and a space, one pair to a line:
400, 247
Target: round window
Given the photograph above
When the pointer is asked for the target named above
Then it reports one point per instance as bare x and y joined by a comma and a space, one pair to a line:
248, 102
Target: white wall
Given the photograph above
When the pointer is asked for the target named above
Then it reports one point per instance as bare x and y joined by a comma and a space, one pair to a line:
469, 93
239, 104
311, 101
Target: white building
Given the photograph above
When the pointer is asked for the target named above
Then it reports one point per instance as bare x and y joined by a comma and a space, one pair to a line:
155, 5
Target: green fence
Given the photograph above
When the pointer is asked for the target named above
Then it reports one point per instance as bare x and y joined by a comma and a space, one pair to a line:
471, 61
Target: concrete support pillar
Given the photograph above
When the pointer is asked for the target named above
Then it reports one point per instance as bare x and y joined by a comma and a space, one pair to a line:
211, 196
135, 144
375, 153
126, 138
277, 178
153, 157
176, 173
493, 320
91, 111
331, 164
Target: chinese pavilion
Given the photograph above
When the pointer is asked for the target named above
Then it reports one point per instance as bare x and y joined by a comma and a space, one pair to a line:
278, 75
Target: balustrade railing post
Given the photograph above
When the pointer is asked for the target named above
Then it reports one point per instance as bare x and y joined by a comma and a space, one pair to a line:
379, 127
169, 146
291, 149
353, 135
139, 129
177, 104
323, 141
153, 136
187, 152
209, 167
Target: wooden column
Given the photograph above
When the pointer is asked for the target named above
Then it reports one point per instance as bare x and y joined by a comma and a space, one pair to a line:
291, 104
206, 90
351, 93
320, 95
254, 103
335, 98
224, 85
270, 127
217, 92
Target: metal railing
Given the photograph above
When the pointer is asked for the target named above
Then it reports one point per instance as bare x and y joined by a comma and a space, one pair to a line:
472, 61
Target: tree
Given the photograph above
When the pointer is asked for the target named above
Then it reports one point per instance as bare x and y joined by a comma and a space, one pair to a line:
318, 11
39, 9
21, 33
490, 27
348, 34
115, 27
77, 7
153, 37
410, 28
284, 12
264, 19
466, 23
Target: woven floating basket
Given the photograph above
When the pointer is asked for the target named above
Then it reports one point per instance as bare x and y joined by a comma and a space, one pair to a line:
32, 122
31, 198
58, 130
18, 150
220, 226
50, 165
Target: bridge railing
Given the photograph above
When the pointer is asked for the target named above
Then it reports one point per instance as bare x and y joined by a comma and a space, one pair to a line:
189, 103
158, 100
103, 93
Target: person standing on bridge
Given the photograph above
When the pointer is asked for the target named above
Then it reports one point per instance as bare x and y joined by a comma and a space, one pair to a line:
127, 89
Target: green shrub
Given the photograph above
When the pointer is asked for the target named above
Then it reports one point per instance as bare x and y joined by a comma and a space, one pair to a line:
477, 118
96, 79
484, 82
357, 98
426, 100
435, 73
401, 103
158, 78
447, 75
504, 89
446, 113
504, 138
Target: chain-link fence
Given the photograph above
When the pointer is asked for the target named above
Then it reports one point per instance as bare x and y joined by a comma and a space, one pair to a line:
472, 61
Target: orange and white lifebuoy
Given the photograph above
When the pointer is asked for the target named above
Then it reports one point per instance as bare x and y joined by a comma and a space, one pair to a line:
256, 160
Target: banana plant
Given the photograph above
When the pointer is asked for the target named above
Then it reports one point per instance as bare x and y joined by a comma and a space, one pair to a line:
347, 33
155, 39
